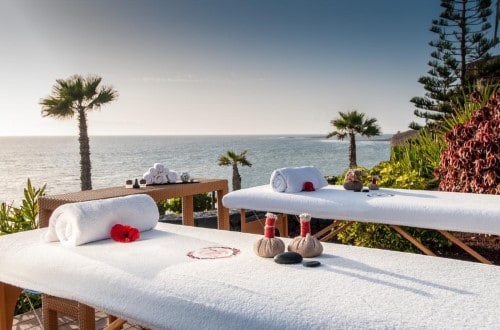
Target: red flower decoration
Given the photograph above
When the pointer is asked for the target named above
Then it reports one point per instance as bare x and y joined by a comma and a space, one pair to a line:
308, 186
124, 233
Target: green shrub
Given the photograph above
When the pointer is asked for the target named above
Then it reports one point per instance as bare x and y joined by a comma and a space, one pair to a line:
201, 202
381, 236
470, 162
15, 219
23, 305
396, 174
411, 167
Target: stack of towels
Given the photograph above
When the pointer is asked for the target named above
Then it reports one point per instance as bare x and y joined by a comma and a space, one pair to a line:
159, 174
79, 223
292, 179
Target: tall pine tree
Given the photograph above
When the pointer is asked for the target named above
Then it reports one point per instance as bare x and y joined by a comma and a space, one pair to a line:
462, 39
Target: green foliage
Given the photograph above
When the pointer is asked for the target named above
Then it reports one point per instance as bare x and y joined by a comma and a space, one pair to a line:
14, 219
411, 167
384, 237
470, 162
461, 32
412, 164
349, 124
23, 304
74, 97
231, 158
201, 202
332, 179
396, 174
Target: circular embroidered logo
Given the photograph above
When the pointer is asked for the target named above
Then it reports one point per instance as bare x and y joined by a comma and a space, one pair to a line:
379, 195
214, 252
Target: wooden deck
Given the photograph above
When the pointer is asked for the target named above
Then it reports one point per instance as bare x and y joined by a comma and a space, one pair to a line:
28, 321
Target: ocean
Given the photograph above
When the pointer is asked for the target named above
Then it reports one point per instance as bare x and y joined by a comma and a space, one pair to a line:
55, 160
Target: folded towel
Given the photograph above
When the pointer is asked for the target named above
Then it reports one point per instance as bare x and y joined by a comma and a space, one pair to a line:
79, 223
172, 176
292, 179
160, 168
148, 177
152, 171
160, 178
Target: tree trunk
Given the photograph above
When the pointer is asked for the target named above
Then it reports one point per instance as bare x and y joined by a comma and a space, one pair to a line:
236, 178
85, 167
352, 151
463, 47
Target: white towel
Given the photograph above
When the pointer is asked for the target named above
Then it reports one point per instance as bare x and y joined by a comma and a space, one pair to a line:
292, 179
148, 177
153, 171
79, 223
159, 179
172, 176
160, 168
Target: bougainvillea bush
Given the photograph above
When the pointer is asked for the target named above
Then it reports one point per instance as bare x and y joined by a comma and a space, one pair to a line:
471, 161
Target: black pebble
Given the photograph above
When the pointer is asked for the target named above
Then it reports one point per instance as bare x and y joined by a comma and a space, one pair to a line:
288, 258
311, 263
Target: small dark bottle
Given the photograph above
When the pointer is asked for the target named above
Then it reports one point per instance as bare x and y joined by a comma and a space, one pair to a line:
136, 184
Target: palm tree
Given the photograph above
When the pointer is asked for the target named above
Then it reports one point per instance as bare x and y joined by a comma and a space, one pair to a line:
74, 97
352, 123
230, 158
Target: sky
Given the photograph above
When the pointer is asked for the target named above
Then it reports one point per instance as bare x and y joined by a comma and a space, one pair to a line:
216, 66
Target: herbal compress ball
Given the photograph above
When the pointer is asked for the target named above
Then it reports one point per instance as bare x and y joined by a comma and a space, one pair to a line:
306, 245
269, 246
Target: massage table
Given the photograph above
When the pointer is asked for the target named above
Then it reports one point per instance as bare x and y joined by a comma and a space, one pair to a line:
168, 280
443, 211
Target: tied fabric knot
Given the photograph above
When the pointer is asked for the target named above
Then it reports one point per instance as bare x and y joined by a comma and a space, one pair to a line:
124, 233
308, 186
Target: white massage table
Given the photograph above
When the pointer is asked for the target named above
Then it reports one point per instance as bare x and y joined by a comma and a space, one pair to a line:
154, 283
463, 212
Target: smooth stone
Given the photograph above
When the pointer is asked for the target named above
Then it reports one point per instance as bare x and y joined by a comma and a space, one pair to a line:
288, 258
311, 263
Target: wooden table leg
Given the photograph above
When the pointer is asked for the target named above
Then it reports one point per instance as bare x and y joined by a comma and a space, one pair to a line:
8, 299
284, 225
243, 219
413, 240
464, 247
187, 211
222, 212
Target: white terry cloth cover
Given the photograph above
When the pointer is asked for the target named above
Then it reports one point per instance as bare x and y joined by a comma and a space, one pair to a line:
83, 222
465, 212
153, 282
292, 179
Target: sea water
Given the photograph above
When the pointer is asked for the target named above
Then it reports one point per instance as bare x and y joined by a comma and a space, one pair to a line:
55, 161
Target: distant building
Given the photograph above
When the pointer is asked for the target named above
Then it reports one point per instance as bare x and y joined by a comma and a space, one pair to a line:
401, 137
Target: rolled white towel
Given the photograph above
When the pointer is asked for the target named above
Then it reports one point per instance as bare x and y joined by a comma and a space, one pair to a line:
159, 179
172, 176
149, 179
278, 181
153, 171
79, 223
160, 168
292, 179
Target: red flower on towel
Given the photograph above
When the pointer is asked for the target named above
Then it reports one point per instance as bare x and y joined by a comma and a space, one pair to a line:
308, 186
124, 233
